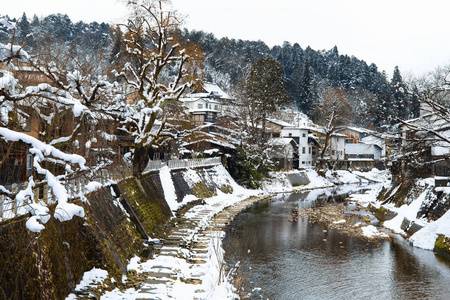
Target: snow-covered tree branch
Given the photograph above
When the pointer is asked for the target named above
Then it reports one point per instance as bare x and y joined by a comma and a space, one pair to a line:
45, 112
155, 74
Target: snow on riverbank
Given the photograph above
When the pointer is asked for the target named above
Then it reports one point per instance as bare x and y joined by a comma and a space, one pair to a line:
212, 283
280, 183
424, 238
177, 270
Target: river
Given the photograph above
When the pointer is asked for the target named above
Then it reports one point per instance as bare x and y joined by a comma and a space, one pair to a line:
279, 259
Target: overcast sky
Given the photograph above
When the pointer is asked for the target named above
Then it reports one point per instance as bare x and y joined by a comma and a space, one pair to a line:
413, 34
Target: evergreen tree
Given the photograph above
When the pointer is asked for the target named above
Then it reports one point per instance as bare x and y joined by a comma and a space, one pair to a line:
265, 92
23, 28
305, 99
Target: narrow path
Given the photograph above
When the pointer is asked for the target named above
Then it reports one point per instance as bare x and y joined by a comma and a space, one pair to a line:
190, 263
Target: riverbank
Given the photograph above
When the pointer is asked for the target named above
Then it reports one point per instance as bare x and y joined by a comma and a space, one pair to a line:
278, 259
190, 263
417, 210
351, 221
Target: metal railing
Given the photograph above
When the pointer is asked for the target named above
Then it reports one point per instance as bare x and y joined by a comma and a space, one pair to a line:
192, 163
9, 208
182, 163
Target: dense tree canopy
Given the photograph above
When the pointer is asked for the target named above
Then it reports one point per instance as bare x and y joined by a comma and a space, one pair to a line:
306, 72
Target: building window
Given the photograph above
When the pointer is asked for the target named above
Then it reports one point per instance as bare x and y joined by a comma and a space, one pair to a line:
216, 107
199, 105
310, 150
303, 150
290, 134
304, 135
303, 162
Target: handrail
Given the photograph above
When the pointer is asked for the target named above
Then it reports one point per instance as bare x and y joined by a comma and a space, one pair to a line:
10, 209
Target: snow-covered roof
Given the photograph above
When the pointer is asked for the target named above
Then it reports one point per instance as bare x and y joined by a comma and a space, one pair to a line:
322, 131
373, 140
211, 91
439, 151
215, 142
213, 88
281, 141
280, 122
359, 129
431, 120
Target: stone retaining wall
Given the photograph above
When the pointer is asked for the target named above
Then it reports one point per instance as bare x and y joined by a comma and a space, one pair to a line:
50, 264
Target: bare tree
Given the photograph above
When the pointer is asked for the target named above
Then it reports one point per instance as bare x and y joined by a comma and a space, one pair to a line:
431, 130
333, 113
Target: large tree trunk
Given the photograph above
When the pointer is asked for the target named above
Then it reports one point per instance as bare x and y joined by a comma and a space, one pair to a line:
321, 164
140, 160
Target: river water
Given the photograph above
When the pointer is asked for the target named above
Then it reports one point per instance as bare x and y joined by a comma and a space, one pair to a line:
279, 259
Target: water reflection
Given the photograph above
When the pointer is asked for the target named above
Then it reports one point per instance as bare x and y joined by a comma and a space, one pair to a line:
297, 260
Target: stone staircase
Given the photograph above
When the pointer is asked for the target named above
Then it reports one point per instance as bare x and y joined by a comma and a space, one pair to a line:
193, 245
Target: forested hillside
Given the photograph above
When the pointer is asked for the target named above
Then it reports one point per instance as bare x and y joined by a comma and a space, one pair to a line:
308, 73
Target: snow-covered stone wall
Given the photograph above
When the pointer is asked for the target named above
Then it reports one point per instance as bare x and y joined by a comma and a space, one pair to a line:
49, 264
418, 210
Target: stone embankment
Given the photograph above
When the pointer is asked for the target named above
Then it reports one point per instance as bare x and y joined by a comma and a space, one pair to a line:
50, 265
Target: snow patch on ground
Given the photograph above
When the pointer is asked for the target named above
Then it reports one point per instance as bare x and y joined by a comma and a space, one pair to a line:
371, 231
90, 279
426, 237
281, 184
168, 188
93, 185
191, 177
408, 211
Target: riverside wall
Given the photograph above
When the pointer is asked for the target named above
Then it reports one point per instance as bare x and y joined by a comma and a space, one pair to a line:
48, 265
435, 204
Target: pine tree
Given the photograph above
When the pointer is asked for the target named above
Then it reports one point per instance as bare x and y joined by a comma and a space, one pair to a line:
265, 91
305, 99
24, 28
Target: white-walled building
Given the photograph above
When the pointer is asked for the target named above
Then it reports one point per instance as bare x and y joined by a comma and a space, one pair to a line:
362, 152
205, 104
305, 151
202, 110
337, 146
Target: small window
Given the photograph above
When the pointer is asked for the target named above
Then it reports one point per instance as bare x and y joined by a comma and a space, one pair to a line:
303, 150
304, 135
200, 105
216, 107
303, 162
310, 150
290, 134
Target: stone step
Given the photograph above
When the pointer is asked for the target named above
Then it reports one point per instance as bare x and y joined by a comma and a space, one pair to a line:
197, 261
199, 251
153, 281
160, 274
182, 233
